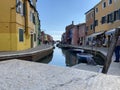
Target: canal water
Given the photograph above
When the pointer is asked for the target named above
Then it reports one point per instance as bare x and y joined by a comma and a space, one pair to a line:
63, 57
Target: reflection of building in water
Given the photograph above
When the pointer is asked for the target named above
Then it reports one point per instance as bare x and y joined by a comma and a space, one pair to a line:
70, 59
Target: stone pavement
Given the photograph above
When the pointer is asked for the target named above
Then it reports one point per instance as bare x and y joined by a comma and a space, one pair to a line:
114, 68
26, 75
41, 47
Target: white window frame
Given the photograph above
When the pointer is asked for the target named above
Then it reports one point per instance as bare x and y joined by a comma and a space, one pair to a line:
109, 2
19, 7
103, 4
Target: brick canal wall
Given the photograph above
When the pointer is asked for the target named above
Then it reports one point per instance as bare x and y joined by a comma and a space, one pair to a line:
33, 54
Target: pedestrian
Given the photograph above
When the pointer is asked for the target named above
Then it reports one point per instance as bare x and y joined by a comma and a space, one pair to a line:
117, 50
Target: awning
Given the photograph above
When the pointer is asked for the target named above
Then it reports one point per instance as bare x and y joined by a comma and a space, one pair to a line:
112, 31
95, 34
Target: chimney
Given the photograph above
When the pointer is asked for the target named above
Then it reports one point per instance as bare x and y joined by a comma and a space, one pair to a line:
72, 22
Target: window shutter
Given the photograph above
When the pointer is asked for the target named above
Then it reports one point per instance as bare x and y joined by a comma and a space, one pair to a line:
21, 35
108, 18
24, 11
115, 13
119, 14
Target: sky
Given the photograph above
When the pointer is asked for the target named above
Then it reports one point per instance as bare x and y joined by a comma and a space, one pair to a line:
55, 15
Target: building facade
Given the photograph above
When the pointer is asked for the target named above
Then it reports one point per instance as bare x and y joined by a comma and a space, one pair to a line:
63, 38
90, 19
106, 19
107, 14
17, 22
82, 33
69, 33
75, 34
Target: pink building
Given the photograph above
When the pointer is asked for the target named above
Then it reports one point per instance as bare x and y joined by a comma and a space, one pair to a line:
63, 38
78, 34
69, 33
75, 35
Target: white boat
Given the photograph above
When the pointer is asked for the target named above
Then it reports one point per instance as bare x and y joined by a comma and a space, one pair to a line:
85, 58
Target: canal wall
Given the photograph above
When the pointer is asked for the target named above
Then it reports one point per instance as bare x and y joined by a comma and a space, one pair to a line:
33, 54
114, 68
92, 50
25, 75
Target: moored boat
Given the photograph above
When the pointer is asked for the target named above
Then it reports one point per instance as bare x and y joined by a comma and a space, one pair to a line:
85, 58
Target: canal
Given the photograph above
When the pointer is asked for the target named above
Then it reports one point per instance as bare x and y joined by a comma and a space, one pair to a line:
64, 57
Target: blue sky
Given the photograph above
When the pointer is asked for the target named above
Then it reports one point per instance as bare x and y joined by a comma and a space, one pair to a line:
55, 15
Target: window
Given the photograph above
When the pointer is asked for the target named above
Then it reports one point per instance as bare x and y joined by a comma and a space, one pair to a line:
103, 20
32, 17
91, 26
19, 7
96, 10
21, 35
104, 4
110, 17
92, 15
96, 23
119, 14
116, 15
34, 37
110, 1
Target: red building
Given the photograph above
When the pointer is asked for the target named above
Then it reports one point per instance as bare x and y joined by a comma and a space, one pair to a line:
75, 34
69, 33
46, 38
82, 33
63, 38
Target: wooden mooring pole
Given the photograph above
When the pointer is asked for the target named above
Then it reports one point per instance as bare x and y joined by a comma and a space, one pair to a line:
110, 51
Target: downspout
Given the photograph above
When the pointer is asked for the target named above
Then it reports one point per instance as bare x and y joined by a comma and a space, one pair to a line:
25, 13
94, 21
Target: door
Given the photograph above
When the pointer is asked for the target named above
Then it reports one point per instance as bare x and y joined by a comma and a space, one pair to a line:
31, 40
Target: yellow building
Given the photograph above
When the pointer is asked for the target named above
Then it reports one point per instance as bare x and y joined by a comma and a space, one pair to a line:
17, 25
107, 15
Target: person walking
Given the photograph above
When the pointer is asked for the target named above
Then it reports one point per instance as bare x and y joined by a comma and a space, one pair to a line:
117, 50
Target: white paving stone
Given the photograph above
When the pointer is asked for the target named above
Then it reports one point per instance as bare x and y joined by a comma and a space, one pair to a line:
25, 75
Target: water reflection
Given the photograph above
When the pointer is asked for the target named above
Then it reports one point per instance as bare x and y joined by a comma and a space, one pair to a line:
70, 58
60, 57
63, 57
47, 59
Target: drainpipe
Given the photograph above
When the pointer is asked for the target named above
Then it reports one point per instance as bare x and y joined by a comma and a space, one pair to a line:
94, 21
25, 13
